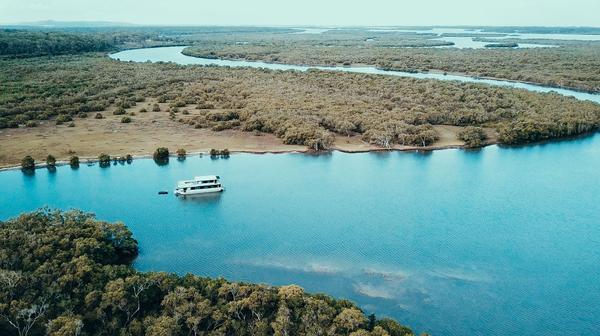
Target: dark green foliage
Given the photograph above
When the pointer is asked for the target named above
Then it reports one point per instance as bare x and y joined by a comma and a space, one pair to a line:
104, 160
502, 45
473, 136
29, 43
74, 162
28, 163
31, 123
73, 274
161, 153
50, 161
393, 328
526, 130
126, 120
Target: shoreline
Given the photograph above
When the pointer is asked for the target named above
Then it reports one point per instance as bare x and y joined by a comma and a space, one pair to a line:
94, 160
307, 151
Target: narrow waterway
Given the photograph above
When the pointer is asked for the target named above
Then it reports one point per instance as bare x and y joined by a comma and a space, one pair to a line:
173, 54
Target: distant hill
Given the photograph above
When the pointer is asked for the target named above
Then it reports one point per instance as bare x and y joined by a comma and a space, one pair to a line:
71, 24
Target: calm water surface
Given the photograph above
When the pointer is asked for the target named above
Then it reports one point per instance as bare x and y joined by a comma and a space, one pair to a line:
498, 241
491, 242
468, 42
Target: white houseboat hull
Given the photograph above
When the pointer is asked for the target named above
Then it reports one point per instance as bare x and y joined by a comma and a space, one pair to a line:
197, 192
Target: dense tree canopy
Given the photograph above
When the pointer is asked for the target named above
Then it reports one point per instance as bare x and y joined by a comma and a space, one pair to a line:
29, 43
66, 273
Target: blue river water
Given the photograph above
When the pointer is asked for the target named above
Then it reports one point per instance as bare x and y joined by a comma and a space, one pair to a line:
496, 241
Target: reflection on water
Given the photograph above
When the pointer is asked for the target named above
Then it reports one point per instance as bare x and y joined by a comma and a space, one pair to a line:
494, 241
201, 198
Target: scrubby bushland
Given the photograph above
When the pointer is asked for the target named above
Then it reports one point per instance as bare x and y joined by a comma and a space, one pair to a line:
62, 118
119, 111
473, 136
66, 273
305, 108
575, 64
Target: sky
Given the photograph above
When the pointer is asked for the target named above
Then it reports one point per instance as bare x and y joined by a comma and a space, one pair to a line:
309, 12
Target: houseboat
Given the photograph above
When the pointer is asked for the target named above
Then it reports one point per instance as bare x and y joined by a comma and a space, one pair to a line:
199, 185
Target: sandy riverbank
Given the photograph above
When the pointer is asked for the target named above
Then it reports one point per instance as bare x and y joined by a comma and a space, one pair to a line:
150, 130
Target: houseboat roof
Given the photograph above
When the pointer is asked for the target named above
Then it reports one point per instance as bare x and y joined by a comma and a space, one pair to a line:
197, 180
206, 178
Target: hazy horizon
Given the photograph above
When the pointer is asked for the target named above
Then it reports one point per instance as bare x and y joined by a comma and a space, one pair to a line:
118, 24
306, 13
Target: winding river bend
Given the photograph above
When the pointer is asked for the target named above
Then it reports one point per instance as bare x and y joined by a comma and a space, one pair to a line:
496, 241
173, 54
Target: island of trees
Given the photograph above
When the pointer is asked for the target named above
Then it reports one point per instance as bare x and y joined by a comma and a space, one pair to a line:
573, 64
66, 273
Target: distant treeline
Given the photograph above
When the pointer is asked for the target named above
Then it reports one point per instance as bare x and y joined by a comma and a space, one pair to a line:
543, 30
66, 273
30, 43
